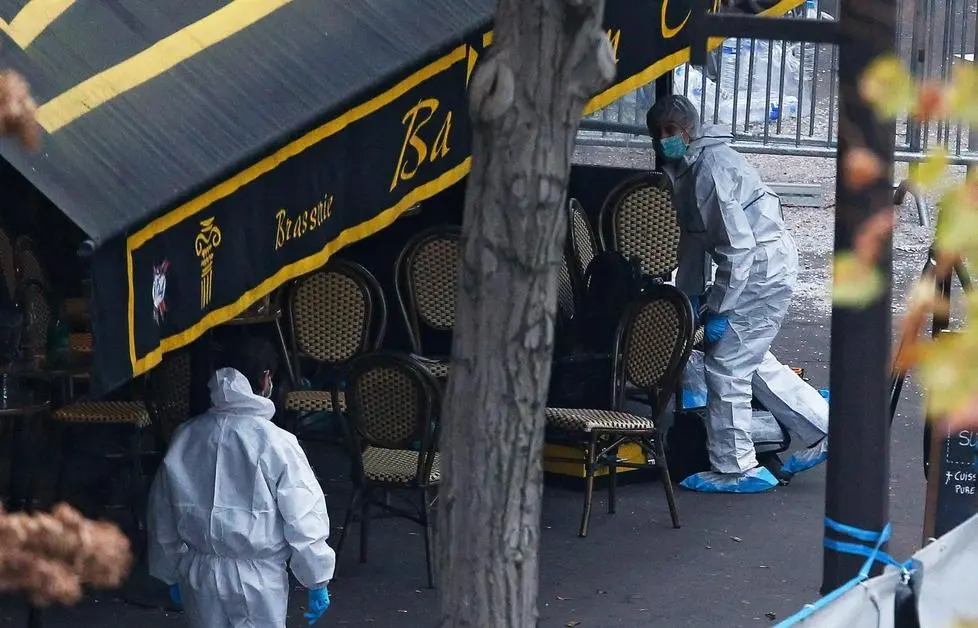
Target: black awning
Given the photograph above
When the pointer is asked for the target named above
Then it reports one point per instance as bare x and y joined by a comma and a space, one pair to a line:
214, 157
145, 101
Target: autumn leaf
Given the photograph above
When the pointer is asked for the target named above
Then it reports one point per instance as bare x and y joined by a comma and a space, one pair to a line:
855, 283
962, 93
924, 300
965, 418
929, 173
861, 167
931, 101
872, 234
888, 87
18, 110
948, 371
957, 222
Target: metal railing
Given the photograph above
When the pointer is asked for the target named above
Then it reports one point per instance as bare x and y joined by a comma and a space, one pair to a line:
780, 97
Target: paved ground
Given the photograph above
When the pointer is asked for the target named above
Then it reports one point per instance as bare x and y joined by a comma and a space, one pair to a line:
737, 561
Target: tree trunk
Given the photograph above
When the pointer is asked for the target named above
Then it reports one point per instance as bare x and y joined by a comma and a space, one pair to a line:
526, 99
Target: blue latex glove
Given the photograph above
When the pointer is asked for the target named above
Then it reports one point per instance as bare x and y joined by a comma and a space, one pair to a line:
318, 603
175, 594
716, 327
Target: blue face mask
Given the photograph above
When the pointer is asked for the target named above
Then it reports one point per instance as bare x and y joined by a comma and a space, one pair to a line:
673, 147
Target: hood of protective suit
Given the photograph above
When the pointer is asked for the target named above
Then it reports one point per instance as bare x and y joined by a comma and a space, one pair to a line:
708, 136
231, 393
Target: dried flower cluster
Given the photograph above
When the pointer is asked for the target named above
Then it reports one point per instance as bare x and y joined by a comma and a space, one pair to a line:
17, 109
49, 558
947, 365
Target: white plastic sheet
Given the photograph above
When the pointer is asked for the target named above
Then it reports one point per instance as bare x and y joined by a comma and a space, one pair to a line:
948, 579
759, 79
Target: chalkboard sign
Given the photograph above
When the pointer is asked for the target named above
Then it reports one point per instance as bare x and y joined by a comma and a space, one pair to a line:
952, 481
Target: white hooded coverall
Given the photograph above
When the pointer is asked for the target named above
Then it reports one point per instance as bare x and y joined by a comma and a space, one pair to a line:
235, 503
727, 214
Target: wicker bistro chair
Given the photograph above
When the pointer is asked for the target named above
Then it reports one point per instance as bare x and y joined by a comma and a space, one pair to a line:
638, 220
654, 342
128, 419
581, 242
427, 284
337, 314
394, 403
566, 297
579, 250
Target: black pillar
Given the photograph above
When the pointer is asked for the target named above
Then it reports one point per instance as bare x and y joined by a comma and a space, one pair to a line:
663, 85
201, 369
857, 491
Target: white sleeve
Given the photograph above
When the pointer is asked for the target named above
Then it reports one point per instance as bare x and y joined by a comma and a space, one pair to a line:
302, 506
165, 545
731, 235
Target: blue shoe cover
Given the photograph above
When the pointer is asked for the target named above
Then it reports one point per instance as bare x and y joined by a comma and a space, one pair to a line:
808, 458
825, 394
754, 481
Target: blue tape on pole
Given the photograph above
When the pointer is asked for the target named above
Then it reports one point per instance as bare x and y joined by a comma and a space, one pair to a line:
872, 553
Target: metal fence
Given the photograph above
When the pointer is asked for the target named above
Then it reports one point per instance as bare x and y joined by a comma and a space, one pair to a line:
779, 97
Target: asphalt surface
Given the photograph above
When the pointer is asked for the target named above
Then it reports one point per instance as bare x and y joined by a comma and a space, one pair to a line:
737, 561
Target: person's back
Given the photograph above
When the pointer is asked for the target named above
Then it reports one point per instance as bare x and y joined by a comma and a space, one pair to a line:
235, 500
711, 177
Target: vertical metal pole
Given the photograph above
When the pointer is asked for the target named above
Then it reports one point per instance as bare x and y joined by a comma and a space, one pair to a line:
857, 490
663, 85
34, 617
934, 439
918, 61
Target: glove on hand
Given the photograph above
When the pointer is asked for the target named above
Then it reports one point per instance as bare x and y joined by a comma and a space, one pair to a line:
716, 327
318, 603
175, 594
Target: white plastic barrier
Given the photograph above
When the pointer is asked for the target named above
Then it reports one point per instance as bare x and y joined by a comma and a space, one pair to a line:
945, 574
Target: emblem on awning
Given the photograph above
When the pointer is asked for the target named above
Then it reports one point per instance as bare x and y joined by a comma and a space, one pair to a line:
159, 291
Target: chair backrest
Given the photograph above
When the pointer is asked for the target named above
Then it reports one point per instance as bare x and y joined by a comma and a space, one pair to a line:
638, 220
337, 313
654, 343
566, 299
427, 281
168, 392
393, 403
37, 316
580, 236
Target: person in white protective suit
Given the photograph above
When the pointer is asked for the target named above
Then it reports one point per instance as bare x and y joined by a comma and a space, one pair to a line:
235, 504
728, 215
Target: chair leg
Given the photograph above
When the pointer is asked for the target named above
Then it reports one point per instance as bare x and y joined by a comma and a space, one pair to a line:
612, 481
284, 348
428, 537
364, 524
347, 520
663, 464
589, 485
